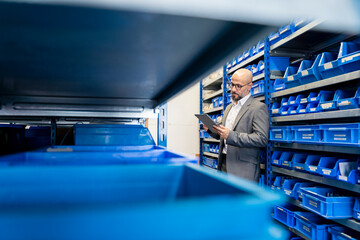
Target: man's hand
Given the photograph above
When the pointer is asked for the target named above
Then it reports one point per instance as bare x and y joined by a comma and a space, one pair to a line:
222, 131
205, 127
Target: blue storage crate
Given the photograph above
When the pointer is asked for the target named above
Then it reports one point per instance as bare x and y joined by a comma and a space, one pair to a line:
284, 111
98, 134
348, 99
291, 78
274, 38
253, 69
301, 109
277, 184
130, 202
312, 226
258, 88
275, 158
312, 163
292, 101
296, 190
349, 56
284, 101
210, 162
71, 156
286, 30
328, 100
301, 99
330, 203
281, 134
279, 64
299, 160
308, 71
342, 233
347, 171
247, 54
342, 134
292, 110
275, 109
329, 166
357, 209
285, 158
299, 23
221, 101
285, 214
279, 84
312, 108
307, 134
289, 185
314, 97
215, 102
329, 65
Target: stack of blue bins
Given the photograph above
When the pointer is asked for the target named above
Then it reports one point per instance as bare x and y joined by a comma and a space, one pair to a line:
83, 200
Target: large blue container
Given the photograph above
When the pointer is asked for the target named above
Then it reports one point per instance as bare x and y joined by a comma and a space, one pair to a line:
281, 134
330, 203
307, 134
312, 226
96, 155
342, 134
285, 214
131, 202
97, 134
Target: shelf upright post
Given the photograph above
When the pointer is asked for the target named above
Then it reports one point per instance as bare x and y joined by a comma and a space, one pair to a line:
224, 87
162, 126
201, 111
267, 102
53, 132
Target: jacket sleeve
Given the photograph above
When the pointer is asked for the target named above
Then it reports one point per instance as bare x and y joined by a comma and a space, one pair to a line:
259, 136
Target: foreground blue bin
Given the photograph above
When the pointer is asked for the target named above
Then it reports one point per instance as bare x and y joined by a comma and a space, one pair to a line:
131, 202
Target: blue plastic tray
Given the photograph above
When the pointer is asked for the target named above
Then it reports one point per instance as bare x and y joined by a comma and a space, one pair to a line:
275, 158
312, 163
342, 134
312, 226
275, 109
130, 202
285, 214
328, 65
330, 203
279, 84
298, 161
97, 134
341, 233
349, 56
258, 88
307, 134
329, 166
281, 134
97, 155
349, 99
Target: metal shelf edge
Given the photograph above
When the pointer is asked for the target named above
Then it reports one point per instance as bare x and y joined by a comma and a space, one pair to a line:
320, 115
217, 93
214, 110
247, 61
322, 148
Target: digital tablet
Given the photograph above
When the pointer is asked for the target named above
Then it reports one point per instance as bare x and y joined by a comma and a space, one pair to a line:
205, 119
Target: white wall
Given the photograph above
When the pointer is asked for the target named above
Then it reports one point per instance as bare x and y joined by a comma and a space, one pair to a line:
183, 126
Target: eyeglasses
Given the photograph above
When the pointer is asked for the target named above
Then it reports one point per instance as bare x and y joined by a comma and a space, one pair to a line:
238, 86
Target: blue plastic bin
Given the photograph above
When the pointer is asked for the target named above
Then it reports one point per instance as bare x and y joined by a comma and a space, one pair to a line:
312, 163
260, 68
204, 134
281, 134
349, 56
274, 38
312, 226
314, 97
206, 147
215, 102
285, 214
296, 190
285, 159
347, 171
292, 101
308, 71
357, 209
307, 134
275, 109
329, 166
328, 65
130, 202
259, 47
279, 64
299, 160
330, 203
248, 54
292, 110
98, 134
301, 99
348, 99
312, 108
278, 183
342, 134
301, 109
291, 78
286, 30
328, 100
275, 158
342, 233
289, 185
279, 84
258, 88
284, 101
210, 162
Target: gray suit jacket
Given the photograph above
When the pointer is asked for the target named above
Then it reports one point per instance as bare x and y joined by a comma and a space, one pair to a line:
248, 135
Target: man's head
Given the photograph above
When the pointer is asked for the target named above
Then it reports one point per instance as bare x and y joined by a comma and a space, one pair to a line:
241, 83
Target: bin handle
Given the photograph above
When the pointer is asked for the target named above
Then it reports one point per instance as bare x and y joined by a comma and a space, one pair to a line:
337, 129
346, 236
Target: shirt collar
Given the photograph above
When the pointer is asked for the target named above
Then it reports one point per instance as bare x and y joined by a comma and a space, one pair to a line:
242, 101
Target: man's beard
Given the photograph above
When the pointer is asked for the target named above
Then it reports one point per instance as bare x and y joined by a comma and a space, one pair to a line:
235, 97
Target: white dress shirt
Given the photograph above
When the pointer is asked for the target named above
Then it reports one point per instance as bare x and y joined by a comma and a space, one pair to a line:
234, 111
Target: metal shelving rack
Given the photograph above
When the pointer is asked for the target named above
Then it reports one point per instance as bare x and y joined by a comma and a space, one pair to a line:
314, 43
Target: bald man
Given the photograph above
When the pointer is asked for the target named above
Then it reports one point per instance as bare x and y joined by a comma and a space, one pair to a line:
244, 130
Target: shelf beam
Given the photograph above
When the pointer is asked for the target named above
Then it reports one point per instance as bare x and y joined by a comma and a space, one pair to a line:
214, 110
350, 113
318, 179
212, 95
215, 155
321, 148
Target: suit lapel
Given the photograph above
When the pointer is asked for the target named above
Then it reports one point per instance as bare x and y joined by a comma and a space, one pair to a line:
242, 111
226, 112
